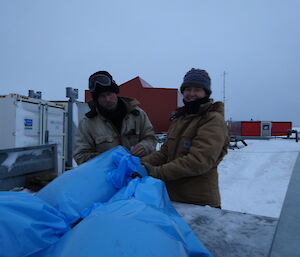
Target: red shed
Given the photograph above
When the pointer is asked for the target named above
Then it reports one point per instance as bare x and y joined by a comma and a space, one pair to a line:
259, 128
280, 128
250, 128
158, 103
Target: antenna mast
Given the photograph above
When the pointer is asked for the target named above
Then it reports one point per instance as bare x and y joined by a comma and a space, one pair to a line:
224, 98
224, 74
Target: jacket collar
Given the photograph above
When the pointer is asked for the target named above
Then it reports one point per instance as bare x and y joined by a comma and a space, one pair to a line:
130, 103
211, 106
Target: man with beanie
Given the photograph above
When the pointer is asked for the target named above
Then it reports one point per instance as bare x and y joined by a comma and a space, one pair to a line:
196, 143
112, 121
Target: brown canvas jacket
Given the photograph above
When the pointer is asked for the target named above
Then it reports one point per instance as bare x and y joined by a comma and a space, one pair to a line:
188, 160
96, 135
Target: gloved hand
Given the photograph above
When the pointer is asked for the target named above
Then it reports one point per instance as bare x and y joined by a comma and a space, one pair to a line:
138, 150
152, 170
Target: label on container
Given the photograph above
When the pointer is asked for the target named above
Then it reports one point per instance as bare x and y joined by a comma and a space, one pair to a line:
28, 124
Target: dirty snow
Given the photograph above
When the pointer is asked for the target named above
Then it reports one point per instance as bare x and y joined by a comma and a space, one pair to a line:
227, 233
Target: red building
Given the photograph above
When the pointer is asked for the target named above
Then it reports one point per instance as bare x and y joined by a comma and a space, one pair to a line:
158, 103
259, 128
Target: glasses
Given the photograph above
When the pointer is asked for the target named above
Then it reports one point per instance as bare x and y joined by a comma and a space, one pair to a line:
100, 80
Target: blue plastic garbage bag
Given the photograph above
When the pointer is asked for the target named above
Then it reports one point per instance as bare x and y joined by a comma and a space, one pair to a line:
138, 221
27, 224
94, 181
126, 165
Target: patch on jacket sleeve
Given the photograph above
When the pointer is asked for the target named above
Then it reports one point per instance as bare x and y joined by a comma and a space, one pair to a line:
186, 143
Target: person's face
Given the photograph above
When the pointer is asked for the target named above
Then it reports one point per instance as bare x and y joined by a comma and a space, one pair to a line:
108, 100
193, 93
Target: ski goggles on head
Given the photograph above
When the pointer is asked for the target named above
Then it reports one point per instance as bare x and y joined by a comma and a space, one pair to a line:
100, 80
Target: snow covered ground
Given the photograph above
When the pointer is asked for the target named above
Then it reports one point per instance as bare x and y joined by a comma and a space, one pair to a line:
254, 179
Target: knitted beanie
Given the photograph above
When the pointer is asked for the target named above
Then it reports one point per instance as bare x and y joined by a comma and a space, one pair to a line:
196, 78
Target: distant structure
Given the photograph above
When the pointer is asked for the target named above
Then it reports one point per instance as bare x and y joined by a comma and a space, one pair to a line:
159, 103
259, 128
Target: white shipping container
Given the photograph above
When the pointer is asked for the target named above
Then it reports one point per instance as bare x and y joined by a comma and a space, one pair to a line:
29, 122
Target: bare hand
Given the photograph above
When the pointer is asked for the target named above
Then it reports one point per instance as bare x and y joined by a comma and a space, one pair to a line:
138, 150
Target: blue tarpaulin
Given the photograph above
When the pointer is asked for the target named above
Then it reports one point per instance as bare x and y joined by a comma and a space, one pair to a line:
136, 220
28, 224
78, 189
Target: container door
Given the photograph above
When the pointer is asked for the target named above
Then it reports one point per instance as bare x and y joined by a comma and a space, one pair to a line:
7, 122
251, 128
266, 127
28, 124
54, 132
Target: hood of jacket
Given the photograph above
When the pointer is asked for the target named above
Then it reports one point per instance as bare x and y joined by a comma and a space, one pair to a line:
213, 107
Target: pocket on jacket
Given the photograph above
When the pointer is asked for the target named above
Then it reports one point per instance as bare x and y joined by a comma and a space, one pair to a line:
104, 139
171, 141
178, 145
104, 143
132, 132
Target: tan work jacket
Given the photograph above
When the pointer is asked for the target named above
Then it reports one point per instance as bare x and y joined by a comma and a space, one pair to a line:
96, 135
188, 160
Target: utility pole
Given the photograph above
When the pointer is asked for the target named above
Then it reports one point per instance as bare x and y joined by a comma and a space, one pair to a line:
224, 98
72, 94
224, 75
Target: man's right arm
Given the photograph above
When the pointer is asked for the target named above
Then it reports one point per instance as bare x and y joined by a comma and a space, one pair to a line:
85, 148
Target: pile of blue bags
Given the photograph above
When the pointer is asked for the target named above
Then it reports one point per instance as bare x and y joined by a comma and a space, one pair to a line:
97, 209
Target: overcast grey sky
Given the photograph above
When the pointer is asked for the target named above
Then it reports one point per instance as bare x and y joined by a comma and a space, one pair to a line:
49, 45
